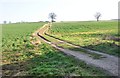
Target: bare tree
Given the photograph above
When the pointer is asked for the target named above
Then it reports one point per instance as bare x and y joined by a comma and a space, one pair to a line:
9, 22
4, 22
97, 15
52, 16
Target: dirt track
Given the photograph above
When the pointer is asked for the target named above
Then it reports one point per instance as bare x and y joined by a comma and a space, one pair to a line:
110, 63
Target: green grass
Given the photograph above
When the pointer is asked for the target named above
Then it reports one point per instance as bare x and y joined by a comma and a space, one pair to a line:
53, 62
24, 59
92, 35
15, 35
67, 46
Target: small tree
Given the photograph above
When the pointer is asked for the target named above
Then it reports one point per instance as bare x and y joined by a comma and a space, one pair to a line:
4, 22
52, 16
9, 22
97, 15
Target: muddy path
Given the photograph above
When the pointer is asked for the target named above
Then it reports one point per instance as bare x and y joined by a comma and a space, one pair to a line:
109, 64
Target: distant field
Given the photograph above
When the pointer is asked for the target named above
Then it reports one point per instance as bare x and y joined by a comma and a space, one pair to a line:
20, 57
101, 36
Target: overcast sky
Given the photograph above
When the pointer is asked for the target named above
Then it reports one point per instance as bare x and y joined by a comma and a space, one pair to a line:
66, 10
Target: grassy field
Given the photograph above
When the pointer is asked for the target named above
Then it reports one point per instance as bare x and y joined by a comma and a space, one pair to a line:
101, 36
67, 46
15, 37
20, 57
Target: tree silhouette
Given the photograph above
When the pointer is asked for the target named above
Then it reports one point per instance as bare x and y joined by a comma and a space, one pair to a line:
4, 22
97, 15
52, 16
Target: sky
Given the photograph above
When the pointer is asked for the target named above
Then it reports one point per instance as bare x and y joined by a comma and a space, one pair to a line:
66, 10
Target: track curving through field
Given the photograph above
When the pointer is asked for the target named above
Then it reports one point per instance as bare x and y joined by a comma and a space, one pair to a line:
109, 64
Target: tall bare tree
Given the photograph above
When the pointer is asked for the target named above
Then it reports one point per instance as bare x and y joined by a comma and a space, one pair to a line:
52, 16
97, 15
